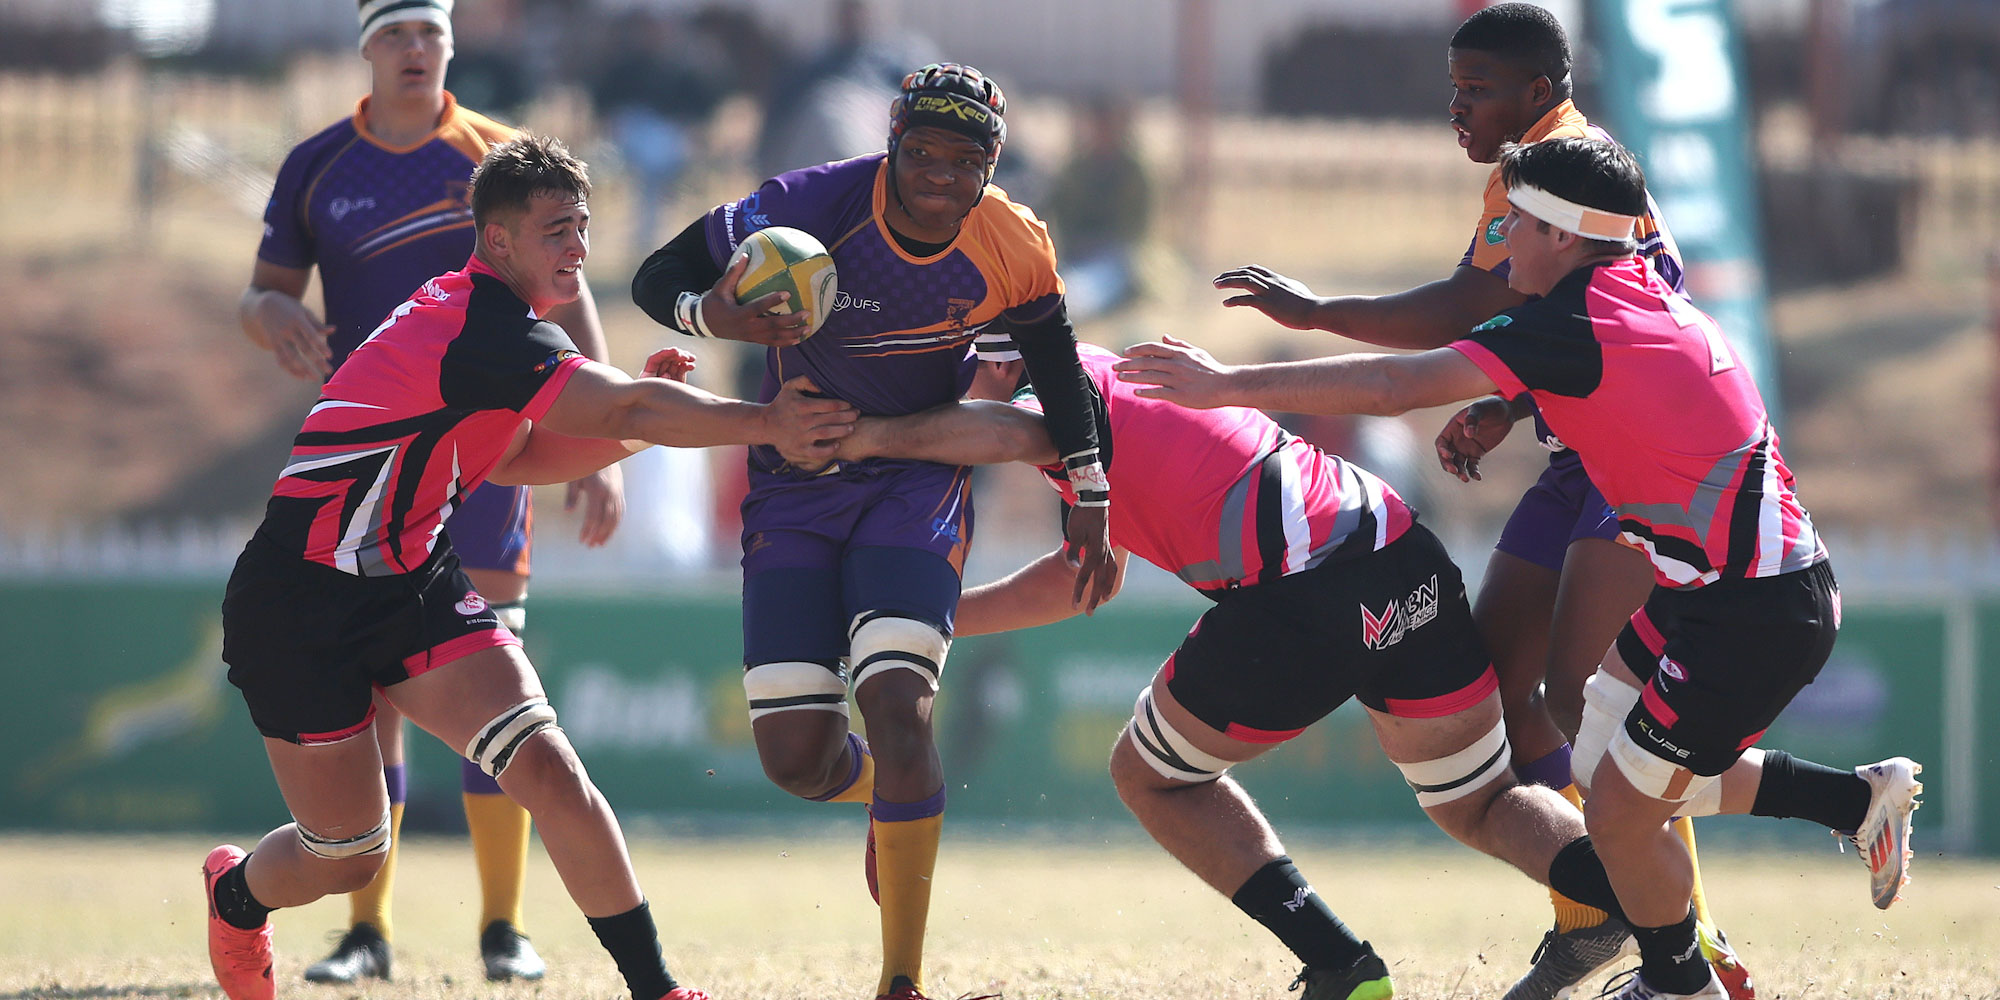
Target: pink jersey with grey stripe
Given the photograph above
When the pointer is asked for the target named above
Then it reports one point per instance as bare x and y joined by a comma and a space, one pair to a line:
1225, 497
1668, 421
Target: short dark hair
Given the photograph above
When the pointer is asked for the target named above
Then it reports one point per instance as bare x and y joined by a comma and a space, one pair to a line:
517, 170
1594, 173
1522, 33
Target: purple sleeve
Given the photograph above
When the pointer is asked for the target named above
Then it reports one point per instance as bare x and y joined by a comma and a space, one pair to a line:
810, 199
286, 241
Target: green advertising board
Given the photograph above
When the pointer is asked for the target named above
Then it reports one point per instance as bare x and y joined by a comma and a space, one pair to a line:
124, 719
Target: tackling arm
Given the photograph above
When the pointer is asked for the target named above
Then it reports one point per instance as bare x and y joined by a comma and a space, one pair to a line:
1376, 384
600, 401
1035, 594
972, 432
1427, 316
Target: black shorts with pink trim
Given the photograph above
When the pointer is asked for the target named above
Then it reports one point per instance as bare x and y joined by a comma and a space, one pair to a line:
1391, 628
307, 644
1719, 662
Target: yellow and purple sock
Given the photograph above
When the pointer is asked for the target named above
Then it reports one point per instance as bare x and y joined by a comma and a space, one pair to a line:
370, 904
906, 849
499, 845
859, 785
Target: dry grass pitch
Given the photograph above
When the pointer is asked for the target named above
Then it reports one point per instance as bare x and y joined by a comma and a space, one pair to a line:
788, 919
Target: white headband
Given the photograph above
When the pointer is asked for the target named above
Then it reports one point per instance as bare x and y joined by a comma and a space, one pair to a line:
379, 14
1568, 216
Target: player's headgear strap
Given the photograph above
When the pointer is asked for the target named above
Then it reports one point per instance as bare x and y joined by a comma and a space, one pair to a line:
379, 14
954, 97
1568, 216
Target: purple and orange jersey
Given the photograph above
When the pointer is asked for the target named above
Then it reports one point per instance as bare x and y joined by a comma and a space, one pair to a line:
1225, 497
895, 339
1668, 422
1489, 252
378, 220
416, 417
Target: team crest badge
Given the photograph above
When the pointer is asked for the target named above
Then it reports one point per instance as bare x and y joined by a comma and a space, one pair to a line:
472, 604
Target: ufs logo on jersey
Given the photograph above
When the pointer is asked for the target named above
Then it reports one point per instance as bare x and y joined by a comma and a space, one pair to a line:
1380, 631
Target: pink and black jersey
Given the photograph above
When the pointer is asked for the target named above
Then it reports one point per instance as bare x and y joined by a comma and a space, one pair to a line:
1669, 423
416, 417
1225, 497
376, 218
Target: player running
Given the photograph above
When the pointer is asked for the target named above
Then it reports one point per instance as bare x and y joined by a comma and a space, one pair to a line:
1671, 428
1557, 586
851, 571
377, 202
1325, 587
351, 582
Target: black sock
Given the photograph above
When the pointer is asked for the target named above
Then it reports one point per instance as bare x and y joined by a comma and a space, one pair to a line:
233, 902
1278, 897
1669, 958
634, 943
1577, 873
1800, 789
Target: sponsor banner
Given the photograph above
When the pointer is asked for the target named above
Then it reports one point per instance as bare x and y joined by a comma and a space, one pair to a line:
124, 719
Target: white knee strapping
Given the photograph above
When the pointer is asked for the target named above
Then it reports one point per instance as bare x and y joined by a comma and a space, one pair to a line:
794, 685
374, 841
884, 642
497, 741
1657, 776
1169, 753
1606, 702
1448, 779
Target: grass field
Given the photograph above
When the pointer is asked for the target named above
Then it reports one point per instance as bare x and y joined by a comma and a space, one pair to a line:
778, 919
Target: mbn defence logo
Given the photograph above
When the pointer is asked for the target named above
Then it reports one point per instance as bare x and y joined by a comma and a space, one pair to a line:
1380, 631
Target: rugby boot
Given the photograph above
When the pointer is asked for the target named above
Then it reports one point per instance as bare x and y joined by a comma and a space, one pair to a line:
1884, 838
1723, 959
1366, 979
1566, 958
241, 959
868, 862
362, 953
508, 954
903, 989
1629, 985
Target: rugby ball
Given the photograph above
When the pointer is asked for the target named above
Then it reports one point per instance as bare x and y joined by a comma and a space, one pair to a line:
783, 259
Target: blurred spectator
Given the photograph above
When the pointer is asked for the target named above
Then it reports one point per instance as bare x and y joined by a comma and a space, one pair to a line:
489, 67
836, 103
1101, 209
654, 95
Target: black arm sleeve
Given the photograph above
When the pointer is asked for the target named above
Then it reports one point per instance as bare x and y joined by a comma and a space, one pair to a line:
1069, 398
683, 265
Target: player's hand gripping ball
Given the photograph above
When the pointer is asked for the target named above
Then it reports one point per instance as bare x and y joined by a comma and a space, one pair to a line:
783, 259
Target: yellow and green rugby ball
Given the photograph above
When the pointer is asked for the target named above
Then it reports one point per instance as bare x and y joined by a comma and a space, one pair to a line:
783, 259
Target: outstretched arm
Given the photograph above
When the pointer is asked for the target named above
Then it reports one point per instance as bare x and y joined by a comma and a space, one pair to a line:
1377, 384
1035, 594
539, 456
971, 432
1427, 316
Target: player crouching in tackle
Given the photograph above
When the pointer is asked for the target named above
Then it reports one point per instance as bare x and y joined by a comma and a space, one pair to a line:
1325, 588
1672, 430
351, 583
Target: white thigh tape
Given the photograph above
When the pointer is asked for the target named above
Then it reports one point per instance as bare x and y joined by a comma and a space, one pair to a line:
497, 741
1448, 779
890, 642
1169, 753
374, 841
794, 686
1606, 703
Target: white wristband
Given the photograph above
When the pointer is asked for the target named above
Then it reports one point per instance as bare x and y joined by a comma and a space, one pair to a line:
687, 310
